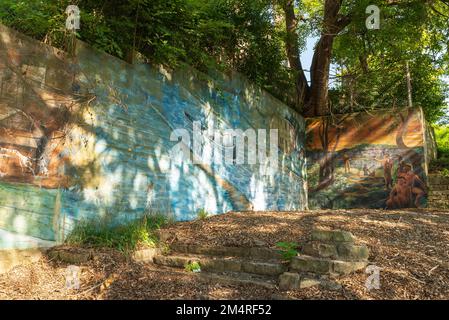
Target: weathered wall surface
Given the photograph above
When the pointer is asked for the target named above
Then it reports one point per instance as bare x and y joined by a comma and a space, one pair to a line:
361, 160
90, 138
431, 143
438, 192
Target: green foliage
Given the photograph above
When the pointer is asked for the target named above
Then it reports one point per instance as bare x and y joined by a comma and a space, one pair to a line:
441, 164
125, 237
442, 140
288, 250
218, 34
372, 64
165, 248
193, 266
249, 36
202, 214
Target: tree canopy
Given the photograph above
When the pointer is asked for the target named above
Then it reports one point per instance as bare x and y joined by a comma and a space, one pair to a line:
263, 39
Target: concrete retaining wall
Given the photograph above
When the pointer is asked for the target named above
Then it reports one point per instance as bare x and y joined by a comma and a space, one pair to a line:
89, 137
438, 192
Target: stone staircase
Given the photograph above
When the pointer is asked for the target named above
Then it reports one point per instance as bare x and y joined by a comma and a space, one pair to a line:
438, 197
256, 265
326, 256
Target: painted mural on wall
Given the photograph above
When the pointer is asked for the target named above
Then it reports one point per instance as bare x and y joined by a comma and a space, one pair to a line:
374, 160
89, 138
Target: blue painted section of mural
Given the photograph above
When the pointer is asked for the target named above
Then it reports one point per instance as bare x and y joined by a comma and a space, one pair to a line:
114, 161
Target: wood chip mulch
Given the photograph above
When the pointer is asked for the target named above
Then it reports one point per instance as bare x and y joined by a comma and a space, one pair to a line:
411, 248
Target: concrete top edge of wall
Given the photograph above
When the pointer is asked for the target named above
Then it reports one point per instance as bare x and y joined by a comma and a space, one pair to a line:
336, 115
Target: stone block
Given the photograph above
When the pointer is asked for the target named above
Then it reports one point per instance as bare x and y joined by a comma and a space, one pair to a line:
232, 265
347, 267
308, 282
288, 281
332, 236
164, 235
145, 255
352, 252
171, 261
262, 268
236, 251
318, 249
311, 264
70, 255
216, 265
330, 285
265, 254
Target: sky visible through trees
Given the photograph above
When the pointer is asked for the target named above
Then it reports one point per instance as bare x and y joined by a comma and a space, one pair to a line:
318, 56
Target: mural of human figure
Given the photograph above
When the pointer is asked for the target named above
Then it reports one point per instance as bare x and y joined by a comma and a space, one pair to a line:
414, 183
346, 163
399, 168
365, 170
400, 195
387, 165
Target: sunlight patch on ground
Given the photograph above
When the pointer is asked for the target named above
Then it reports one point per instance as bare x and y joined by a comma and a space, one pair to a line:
388, 224
333, 218
426, 221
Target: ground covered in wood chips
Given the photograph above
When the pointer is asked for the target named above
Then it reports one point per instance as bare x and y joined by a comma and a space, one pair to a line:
410, 246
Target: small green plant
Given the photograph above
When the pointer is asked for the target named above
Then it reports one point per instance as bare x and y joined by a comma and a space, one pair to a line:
193, 266
124, 237
288, 249
445, 172
165, 249
202, 214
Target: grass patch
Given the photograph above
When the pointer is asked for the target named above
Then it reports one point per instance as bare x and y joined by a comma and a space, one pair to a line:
202, 214
125, 237
192, 267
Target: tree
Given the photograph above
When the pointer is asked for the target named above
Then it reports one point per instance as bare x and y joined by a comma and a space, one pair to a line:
371, 63
263, 39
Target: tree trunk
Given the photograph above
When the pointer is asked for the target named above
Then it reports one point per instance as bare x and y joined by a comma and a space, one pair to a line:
313, 100
318, 105
333, 23
291, 43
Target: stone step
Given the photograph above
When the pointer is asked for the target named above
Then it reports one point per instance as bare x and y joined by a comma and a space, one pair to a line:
269, 282
292, 280
336, 251
303, 263
332, 236
227, 278
222, 264
256, 253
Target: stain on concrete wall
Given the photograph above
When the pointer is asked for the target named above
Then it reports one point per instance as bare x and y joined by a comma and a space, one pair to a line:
89, 138
367, 160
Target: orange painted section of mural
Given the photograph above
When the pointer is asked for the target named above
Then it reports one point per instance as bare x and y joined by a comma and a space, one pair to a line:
373, 160
35, 106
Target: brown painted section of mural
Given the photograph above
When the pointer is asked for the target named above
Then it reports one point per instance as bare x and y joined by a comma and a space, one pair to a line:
367, 160
35, 106
379, 128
